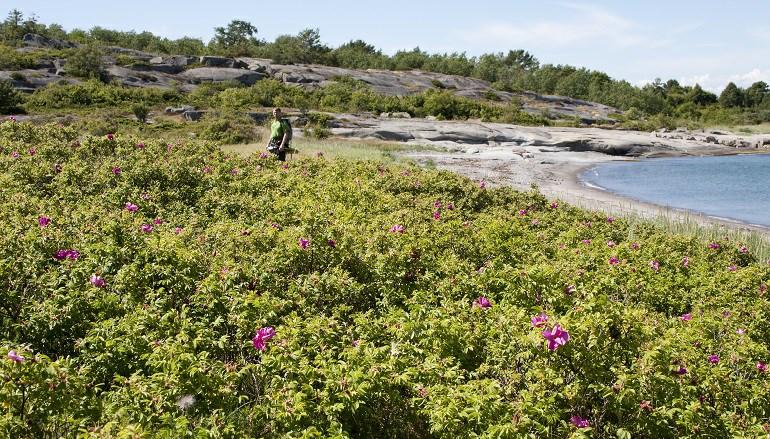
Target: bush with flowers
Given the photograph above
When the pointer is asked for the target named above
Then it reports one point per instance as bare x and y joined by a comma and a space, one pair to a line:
195, 294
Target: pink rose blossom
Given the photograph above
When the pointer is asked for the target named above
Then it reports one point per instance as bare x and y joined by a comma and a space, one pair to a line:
732, 268
397, 228
740, 331
482, 184
569, 289
713, 359
140, 145
681, 371
110, 136
43, 221
63, 254
304, 243
116, 170
15, 154
146, 228
331, 243
539, 320
262, 336
714, 246
16, 358
97, 281
177, 230
610, 244
482, 302
32, 151
523, 212
655, 265
762, 367
586, 241
686, 317
614, 260
610, 219
554, 205
131, 207
635, 246
579, 422
437, 215
744, 250
686, 261
556, 337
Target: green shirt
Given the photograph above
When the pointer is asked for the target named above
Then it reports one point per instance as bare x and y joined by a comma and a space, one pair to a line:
278, 129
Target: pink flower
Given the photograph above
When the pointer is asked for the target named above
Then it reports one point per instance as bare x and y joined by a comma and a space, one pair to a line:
762, 288
146, 228
116, 170
63, 254
681, 371
234, 171
157, 221
569, 289
140, 145
15, 154
437, 205
554, 205
635, 246
263, 155
13, 356
43, 221
610, 219
97, 281
145, 196
762, 367
523, 212
32, 151
207, 169
177, 230
304, 243
539, 320
646, 406
556, 337
437, 215
726, 314
714, 359
686, 317
579, 422
714, 246
262, 336
744, 250
319, 154
614, 261
275, 226
397, 228
110, 136
331, 243
450, 206
655, 265
131, 207
740, 331
686, 261
610, 244
732, 268
586, 241
482, 302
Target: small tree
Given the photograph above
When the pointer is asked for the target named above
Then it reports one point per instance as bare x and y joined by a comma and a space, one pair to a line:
86, 62
141, 112
731, 96
10, 99
235, 39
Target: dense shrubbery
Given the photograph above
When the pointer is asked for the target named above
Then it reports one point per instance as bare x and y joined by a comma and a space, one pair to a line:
136, 273
95, 93
10, 99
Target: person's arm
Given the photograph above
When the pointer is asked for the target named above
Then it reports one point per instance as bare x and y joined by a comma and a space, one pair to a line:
283, 140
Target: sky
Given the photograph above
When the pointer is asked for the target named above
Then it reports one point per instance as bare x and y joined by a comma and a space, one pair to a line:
708, 42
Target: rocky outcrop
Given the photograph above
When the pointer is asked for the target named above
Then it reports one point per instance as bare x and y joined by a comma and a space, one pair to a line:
468, 136
35, 40
213, 74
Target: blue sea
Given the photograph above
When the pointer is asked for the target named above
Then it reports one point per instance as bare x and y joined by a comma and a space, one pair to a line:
735, 187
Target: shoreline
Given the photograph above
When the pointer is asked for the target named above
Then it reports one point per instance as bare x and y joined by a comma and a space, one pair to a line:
575, 191
557, 175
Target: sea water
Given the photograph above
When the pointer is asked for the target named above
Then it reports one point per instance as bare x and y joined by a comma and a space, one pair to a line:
734, 187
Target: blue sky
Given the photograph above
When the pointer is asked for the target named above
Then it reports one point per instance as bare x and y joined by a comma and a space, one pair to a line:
710, 42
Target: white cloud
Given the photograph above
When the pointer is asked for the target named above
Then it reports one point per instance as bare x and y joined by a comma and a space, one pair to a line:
589, 24
746, 79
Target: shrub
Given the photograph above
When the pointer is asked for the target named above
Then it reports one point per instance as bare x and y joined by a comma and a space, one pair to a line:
86, 62
141, 112
10, 99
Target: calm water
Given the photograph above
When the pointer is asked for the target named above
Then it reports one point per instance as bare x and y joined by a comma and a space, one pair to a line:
736, 187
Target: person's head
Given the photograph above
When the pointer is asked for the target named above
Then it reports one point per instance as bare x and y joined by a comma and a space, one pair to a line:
277, 113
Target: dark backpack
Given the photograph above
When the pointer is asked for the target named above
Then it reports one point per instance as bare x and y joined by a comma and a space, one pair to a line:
288, 128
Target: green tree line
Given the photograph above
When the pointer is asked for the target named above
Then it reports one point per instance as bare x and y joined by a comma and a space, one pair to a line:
516, 70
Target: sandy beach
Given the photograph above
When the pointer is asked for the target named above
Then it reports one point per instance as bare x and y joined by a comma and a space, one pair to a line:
557, 175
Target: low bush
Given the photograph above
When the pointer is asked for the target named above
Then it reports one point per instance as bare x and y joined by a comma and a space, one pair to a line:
168, 290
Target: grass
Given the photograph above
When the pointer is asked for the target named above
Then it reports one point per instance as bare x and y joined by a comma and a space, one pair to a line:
334, 148
763, 128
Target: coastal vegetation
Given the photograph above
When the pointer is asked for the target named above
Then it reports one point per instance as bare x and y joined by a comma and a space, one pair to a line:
157, 288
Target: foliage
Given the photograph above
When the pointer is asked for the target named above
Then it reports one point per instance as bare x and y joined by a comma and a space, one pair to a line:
368, 275
86, 62
10, 99
141, 111
237, 39
95, 93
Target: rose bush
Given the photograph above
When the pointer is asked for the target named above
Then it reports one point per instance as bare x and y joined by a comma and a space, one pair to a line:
233, 315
